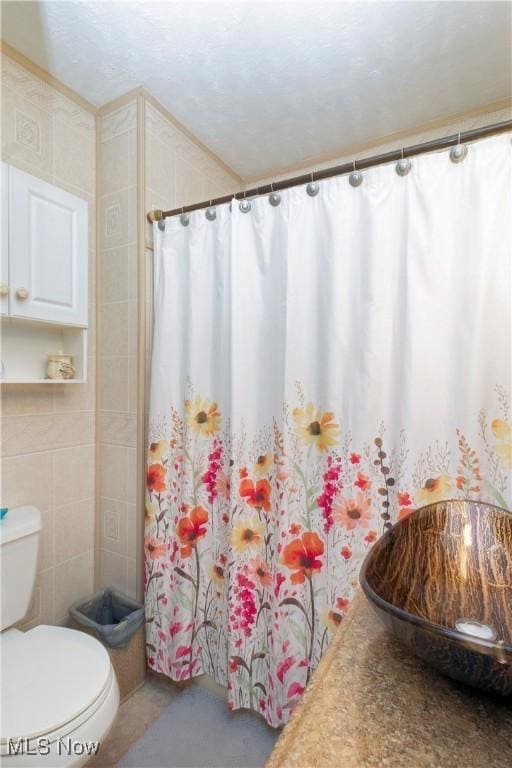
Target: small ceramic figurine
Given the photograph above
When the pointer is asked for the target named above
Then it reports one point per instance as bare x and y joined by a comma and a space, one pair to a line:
60, 366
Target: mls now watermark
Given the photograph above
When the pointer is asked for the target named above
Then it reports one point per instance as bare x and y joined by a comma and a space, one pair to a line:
44, 746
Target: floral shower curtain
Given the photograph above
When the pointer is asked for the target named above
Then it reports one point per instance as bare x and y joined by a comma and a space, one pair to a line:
320, 369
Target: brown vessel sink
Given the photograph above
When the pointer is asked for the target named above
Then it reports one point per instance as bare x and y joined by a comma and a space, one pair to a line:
441, 580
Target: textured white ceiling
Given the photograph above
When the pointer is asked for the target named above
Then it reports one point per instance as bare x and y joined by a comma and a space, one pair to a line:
271, 84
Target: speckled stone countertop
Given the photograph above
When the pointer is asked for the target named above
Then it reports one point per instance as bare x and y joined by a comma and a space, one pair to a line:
372, 704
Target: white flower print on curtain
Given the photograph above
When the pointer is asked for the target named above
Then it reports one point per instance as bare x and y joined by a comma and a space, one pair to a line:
319, 370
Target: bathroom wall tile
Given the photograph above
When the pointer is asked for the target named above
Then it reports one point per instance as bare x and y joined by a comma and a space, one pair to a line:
114, 385
133, 530
118, 429
132, 582
79, 397
131, 472
21, 399
119, 218
42, 605
92, 279
75, 156
20, 434
27, 134
118, 122
46, 554
113, 526
119, 162
74, 474
28, 480
115, 479
132, 271
189, 183
113, 570
42, 95
73, 529
133, 318
115, 265
132, 384
73, 580
114, 328
160, 167
92, 333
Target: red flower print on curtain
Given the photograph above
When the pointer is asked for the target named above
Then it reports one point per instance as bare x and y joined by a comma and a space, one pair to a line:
251, 563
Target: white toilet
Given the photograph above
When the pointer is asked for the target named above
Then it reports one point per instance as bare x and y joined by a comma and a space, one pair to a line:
59, 690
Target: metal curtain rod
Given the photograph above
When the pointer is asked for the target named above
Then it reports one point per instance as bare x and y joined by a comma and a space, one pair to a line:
338, 170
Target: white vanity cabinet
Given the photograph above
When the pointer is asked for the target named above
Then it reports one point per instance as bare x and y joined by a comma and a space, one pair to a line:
44, 276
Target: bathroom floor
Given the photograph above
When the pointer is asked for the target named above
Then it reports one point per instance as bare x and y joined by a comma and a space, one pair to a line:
135, 716
149, 708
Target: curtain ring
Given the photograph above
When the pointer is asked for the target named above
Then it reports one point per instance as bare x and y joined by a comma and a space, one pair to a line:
459, 151
274, 198
403, 166
312, 188
355, 179
211, 212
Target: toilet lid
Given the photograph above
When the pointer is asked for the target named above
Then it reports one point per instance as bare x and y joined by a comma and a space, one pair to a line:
49, 676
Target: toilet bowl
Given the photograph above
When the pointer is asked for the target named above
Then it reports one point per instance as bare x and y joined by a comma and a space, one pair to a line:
59, 690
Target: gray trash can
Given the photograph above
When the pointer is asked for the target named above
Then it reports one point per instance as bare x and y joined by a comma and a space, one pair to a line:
118, 622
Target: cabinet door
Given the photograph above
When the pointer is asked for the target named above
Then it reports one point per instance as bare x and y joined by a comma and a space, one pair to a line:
4, 256
48, 251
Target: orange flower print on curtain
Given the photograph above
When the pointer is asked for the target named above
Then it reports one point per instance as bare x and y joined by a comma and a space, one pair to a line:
253, 546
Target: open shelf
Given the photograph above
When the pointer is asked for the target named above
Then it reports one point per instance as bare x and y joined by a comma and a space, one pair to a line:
26, 345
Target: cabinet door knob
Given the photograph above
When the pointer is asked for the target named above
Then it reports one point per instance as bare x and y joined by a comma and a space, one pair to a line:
22, 294
4, 289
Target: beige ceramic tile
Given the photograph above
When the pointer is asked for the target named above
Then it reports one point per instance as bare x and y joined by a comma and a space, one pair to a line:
132, 384
114, 385
132, 586
189, 183
113, 570
24, 434
160, 167
134, 530
74, 474
132, 471
113, 526
73, 580
119, 218
114, 474
46, 554
115, 265
119, 162
79, 397
92, 277
133, 317
20, 399
133, 277
114, 328
74, 530
118, 122
118, 429
28, 480
42, 608
27, 134
75, 156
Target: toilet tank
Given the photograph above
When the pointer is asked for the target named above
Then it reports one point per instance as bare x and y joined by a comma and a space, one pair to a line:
19, 542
